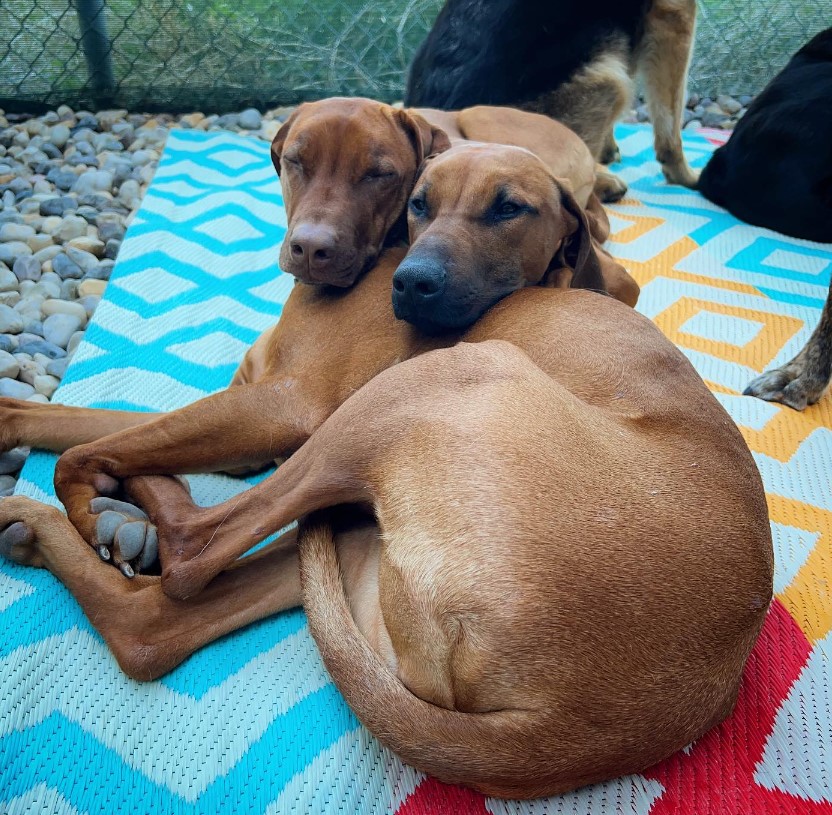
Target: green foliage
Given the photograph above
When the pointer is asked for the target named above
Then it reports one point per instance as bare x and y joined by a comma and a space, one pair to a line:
225, 54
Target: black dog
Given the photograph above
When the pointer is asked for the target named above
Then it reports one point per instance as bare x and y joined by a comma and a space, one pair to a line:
776, 169
573, 60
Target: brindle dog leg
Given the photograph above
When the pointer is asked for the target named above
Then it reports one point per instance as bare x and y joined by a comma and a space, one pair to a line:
801, 381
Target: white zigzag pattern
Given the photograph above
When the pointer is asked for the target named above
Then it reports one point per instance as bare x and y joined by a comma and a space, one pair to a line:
153, 391
187, 251
39, 800
142, 330
378, 784
216, 178
218, 728
632, 794
265, 208
805, 718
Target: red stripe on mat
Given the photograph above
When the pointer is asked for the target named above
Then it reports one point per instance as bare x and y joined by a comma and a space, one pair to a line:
717, 776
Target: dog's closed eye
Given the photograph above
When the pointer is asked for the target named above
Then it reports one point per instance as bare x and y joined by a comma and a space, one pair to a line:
379, 174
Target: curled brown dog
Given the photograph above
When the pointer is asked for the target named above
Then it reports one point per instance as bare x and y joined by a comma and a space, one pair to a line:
547, 559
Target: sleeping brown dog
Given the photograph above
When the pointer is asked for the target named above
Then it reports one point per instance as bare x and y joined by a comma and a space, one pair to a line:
328, 343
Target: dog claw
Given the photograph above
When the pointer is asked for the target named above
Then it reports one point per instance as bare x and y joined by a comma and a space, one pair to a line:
104, 553
127, 570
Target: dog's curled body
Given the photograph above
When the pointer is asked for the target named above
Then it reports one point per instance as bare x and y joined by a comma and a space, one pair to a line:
571, 559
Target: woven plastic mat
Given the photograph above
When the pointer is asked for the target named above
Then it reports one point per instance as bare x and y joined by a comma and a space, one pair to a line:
251, 724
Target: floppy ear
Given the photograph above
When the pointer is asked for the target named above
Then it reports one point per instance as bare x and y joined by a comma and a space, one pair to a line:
280, 139
577, 251
427, 140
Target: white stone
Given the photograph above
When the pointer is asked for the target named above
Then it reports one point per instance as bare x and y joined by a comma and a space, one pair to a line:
59, 135
10, 321
14, 389
93, 181
50, 307
89, 244
59, 328
16, 232
73, 226
9, 366
46, 385
8, 279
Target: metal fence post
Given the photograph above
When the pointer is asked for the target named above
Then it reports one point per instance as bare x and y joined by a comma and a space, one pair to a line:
97, 49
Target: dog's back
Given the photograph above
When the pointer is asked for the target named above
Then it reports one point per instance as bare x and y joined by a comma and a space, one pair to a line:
776, 169
513, 51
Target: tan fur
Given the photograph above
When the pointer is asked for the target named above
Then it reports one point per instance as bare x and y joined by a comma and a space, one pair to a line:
596, 96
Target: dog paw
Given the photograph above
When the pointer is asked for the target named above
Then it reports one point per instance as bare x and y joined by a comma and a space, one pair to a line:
681, 174
790, 385
609, 187
124, 535
20, 521
611, 154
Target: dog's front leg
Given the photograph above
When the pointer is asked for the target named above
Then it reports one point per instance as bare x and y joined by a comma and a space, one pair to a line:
801, 381
243, 426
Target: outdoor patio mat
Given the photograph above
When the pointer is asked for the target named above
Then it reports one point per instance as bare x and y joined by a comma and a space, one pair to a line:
252, 724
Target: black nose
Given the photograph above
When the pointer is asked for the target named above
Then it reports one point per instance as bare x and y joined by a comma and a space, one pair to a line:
419, 281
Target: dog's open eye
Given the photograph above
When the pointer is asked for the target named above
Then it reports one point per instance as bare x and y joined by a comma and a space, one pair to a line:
508, 209
504, 209
418, 206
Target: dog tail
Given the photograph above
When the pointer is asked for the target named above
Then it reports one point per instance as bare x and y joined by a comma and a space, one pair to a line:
499, 753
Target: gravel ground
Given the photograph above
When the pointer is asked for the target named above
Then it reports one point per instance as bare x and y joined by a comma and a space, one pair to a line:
70, 181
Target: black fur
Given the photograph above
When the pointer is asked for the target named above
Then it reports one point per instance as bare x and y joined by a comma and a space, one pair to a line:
776, 169
511, 52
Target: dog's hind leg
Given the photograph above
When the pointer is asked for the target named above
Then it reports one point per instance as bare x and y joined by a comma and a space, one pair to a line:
663, 58
590, 103
801, 381
148, 632
592, 100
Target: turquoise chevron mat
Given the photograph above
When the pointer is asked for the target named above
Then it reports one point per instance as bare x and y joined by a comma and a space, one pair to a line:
252, 724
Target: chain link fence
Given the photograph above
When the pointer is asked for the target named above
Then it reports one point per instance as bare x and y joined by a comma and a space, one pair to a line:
219, 55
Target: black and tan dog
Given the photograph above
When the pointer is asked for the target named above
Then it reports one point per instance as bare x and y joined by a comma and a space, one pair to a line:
574, 61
